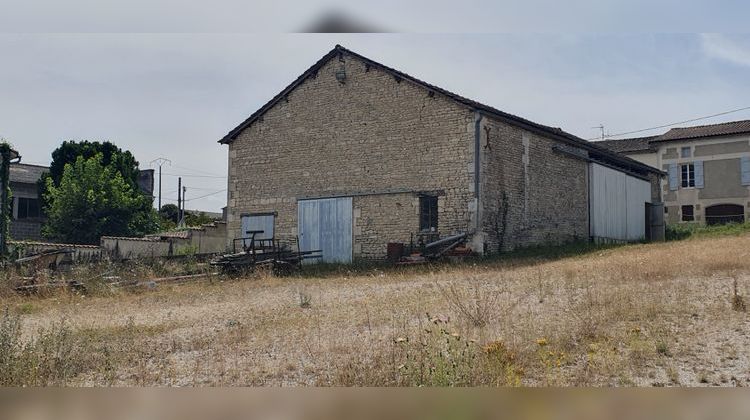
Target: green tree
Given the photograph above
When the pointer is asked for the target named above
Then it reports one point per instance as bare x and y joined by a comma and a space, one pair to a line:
93, 199
69, 151
197, 218
170, 212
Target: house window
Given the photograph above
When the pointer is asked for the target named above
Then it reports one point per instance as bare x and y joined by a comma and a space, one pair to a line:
28, 208
428, 217
688, 175
685, 152
687, 214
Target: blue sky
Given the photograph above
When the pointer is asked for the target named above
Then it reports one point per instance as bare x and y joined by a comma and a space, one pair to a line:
175, 95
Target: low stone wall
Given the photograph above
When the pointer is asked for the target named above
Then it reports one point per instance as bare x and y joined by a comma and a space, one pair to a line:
209, 239
204, 240
123, 248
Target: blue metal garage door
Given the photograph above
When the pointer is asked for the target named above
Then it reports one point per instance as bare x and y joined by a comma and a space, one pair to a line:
326, 224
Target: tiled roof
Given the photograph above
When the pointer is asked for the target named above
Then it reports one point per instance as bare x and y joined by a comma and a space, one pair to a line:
637, 144
129, 238
26, 174
553, 132
723, 129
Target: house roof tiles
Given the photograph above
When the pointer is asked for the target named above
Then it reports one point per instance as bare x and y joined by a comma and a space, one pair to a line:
26, 174
711, 130
636, 144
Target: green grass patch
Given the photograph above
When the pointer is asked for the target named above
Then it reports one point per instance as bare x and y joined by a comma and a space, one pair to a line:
528, 255
26, 308
688, 230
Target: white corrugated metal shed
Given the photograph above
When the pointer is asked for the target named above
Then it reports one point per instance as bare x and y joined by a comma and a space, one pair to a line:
617, 204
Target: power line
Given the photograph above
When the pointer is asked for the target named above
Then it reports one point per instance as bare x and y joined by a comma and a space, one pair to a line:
203, 196
196, 198
198, 170
675, 123
197, 176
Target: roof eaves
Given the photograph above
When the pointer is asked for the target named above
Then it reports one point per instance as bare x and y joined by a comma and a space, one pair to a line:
701, 136
262, 110
556, 133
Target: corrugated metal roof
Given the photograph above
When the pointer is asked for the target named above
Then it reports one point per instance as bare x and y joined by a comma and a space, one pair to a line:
52, 244
26, 174
711, 130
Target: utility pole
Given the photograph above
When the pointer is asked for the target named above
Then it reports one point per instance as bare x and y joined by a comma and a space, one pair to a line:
184, 194
160, 161
179, 200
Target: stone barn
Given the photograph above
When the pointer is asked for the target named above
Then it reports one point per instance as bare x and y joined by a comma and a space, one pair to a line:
353, 155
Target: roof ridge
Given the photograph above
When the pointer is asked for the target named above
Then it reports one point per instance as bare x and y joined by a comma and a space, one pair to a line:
28, 164
529, 125
629, 138
708, 125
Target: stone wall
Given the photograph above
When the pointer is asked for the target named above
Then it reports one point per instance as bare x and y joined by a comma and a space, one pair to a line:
384, 140
383, 218
530, 194
655, 180
204, 240
372, 135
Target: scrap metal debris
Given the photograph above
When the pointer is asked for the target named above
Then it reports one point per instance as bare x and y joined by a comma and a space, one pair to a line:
256, 253
423, 251
48, 260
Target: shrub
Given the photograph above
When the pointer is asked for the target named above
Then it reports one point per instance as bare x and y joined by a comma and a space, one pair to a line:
49, 358
738, 302
475, 307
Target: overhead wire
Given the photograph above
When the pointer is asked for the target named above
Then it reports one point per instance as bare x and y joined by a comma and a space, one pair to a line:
674, 123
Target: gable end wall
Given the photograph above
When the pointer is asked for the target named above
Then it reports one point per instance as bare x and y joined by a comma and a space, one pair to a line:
367, 137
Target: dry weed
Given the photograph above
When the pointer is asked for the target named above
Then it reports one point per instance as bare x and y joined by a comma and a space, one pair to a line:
636, 315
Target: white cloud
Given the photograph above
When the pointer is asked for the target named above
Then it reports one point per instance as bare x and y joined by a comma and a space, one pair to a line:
725, 48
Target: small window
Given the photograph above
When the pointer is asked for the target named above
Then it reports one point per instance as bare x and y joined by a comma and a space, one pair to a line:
28, 208
687, 214
685, 152
428, 218
688, 175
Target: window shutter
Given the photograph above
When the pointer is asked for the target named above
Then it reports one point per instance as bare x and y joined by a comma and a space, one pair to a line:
673, 177
698, 165
745, 169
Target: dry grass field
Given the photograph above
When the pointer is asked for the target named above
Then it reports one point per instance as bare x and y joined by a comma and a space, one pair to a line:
642, 315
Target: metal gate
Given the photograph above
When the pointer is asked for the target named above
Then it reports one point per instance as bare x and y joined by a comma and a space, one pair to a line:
326, 224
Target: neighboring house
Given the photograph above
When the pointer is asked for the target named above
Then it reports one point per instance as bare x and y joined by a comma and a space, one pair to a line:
27, 217
354, 155
708, 167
